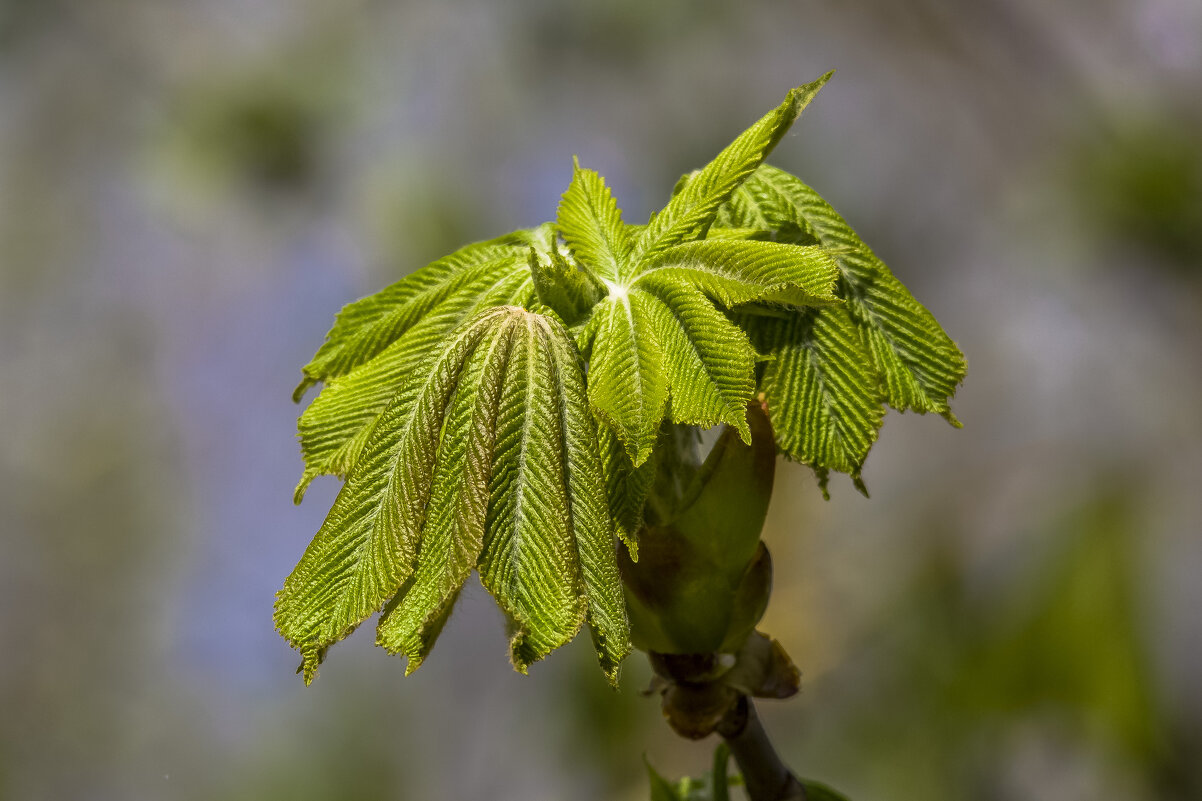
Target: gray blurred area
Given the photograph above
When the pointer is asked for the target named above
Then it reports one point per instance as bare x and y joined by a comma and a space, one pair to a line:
190, 190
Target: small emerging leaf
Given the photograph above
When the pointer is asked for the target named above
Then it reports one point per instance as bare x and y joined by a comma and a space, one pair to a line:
713, 786
661, 788
561, 286
591, 223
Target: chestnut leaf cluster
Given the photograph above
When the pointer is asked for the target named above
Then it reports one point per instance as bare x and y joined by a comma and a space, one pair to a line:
498, 410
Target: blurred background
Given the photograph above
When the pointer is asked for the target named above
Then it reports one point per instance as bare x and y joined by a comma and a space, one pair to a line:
190, 190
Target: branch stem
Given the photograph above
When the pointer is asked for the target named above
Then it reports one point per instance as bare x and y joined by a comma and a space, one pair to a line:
765, 776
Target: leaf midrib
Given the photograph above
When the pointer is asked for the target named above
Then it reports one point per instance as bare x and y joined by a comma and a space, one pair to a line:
519, 510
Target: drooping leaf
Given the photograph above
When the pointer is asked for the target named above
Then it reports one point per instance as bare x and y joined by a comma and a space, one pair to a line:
456, 519
491, 462
591, 223
548, 555
920, 366
335, 426
823, 392
626, 486
366, 327
691, 211
591, 521
367, 545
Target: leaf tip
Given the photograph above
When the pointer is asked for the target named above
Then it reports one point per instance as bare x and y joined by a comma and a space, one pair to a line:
799, 97
311, 656
808, 90
612, 673
739, 421
824, 480
630, 539
639, 455
518, 652
298, 494
302, 388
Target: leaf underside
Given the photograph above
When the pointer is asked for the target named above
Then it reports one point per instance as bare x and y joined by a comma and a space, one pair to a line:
831, 369
487, 459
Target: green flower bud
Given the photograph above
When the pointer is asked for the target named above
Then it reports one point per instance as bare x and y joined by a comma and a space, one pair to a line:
703, 577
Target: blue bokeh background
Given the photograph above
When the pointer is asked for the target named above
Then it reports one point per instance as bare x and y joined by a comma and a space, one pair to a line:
190, 190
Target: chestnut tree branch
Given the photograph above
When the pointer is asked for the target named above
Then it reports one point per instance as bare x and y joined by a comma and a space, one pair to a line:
765, 776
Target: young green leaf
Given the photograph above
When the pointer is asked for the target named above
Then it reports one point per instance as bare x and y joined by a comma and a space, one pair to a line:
657, 335
627, 387
712, 786
919, 364
661, 336
456, 520
562, 286
709, 363
366, 548
661, 788
823, 392
366, 327
691, 211
591, 223
548, 555
491, 462
740, 271
591, 522
335, 426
